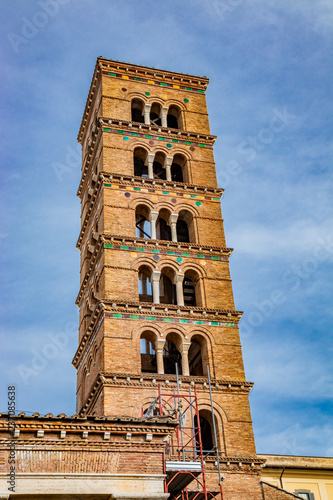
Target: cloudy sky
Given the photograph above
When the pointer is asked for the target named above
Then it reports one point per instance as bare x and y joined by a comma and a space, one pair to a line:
269, 102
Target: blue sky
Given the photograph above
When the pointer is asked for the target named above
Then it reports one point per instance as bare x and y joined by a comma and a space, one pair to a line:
270, 105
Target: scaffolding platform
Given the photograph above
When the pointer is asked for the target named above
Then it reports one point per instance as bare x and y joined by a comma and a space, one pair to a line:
181, 474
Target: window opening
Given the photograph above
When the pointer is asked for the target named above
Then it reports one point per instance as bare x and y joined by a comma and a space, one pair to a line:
140, 169
159, 171
182, 232
145, 288
137, 111
176, 173
148, 356
195, 359
167, 290
163, 230
171, 357
142, 226
189, 292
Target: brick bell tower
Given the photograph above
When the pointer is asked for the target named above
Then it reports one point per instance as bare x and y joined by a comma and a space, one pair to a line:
155, 288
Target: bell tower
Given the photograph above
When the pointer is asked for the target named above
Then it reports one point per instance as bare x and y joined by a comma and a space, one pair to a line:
155, 289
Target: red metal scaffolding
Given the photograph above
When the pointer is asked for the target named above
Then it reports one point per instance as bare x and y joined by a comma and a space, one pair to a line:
184, 462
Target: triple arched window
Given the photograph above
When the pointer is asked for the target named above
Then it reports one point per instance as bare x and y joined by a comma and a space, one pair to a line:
156, 114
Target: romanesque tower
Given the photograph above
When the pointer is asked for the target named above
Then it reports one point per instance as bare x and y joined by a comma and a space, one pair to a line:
155, 290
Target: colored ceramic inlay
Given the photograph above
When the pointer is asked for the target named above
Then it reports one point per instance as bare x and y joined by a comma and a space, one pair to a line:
161, 251
186, 100
126, 138
151, 190
147, 94
167, 320
149, 136
198, 203
153, 82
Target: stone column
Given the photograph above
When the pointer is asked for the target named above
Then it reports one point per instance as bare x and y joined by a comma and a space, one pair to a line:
155, 279
178, 281
153, 219
164, 113
146, 111
159, 355
150, 161
167, 166
184, 348
173, 224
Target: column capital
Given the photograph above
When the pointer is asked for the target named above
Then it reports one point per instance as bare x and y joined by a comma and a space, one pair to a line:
173, 219
153, 216
155, 276
178, 278
147, 107
184, 347
160, 344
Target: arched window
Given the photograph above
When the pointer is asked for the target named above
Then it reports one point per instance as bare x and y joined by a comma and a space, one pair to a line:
140, 162
158, 166
198, 356
148, 354
137, 110
174, 117
182, 232
191, 289
142, 224
206, 426
163, 230
167, 287
195, 359
171, 355
155, 113
185, 230
189, 292
145, 288
179, 168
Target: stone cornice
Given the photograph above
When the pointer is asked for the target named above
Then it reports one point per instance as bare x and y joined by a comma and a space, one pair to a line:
132, 71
